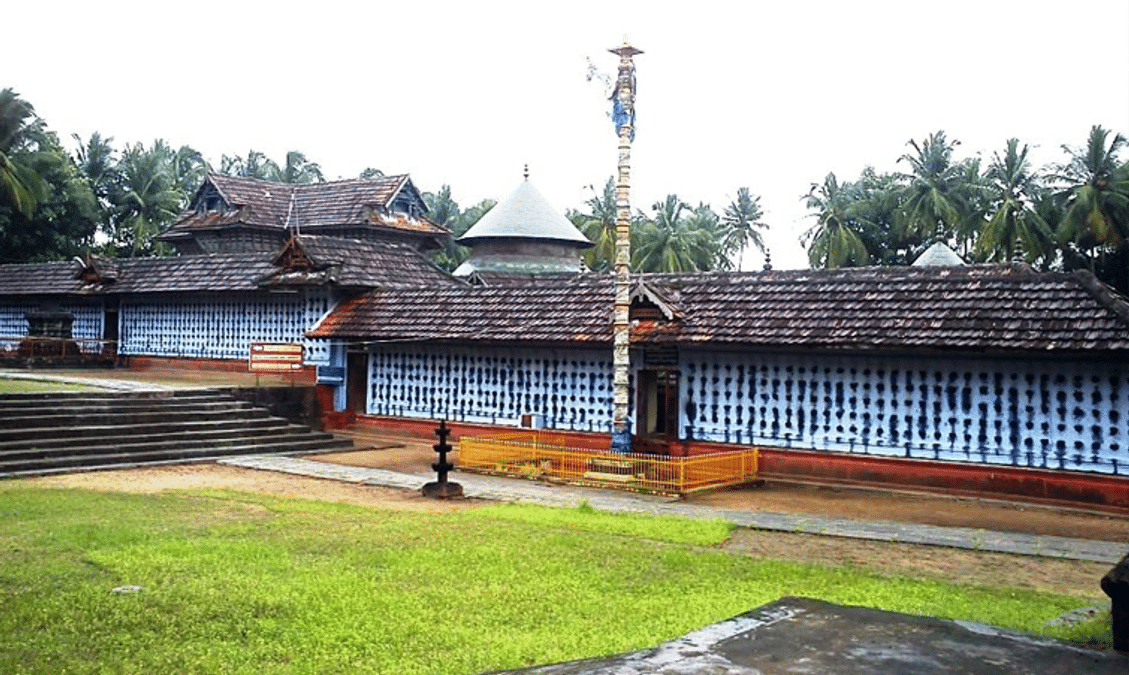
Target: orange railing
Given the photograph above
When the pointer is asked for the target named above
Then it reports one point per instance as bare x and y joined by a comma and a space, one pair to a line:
543, 454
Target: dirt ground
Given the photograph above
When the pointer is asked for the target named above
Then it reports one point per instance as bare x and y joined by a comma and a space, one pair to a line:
989, 569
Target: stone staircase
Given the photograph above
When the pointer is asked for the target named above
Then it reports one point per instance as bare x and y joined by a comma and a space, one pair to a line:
58, 433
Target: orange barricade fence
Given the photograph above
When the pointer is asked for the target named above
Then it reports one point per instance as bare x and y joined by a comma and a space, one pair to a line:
542, 454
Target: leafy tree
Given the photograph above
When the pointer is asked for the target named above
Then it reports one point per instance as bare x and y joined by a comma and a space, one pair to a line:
1014, 229
677, 239
65, 218
1095, 220
296, 168
22, 185
443, 210
255, 165
835, 240
742, 223
370, 172
599, 226
146, 199
935, 203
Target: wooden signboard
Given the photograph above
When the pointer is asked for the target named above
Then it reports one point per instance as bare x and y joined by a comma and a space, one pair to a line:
275, 358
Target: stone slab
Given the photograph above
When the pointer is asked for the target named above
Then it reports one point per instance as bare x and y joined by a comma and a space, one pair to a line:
801, 635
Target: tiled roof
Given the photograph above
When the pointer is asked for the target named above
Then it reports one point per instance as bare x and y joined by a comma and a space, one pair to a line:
341, 263
354, 264
578, 311
969, 309
266, 204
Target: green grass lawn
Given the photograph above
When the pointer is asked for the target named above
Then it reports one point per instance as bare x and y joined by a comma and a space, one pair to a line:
240, 583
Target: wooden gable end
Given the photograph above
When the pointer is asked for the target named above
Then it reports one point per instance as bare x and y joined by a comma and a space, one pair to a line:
407, 200
293, 258
210, 198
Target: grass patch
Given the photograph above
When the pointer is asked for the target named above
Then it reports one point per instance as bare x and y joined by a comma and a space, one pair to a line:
20, 386
240, 583
698, 532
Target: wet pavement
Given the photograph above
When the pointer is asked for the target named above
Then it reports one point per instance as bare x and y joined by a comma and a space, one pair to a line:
801, 635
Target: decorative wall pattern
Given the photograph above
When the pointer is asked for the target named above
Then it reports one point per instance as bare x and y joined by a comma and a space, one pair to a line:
86, 329
198, 326
1040, 414
569, 389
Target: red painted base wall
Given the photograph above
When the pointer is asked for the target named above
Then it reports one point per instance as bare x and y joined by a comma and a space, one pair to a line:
974, 480
307, 375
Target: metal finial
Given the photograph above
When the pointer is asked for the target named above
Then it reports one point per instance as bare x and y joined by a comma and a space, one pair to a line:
767, 261
526, 173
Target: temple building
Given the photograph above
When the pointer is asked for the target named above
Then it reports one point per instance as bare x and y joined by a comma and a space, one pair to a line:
980, 377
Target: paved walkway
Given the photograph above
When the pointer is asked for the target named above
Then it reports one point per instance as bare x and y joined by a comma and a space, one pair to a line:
97, 382
550, 494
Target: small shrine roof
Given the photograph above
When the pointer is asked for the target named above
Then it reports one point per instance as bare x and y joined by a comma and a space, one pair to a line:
525, 214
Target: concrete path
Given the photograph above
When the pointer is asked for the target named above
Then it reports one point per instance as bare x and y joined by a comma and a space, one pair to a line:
550, 494
97, 382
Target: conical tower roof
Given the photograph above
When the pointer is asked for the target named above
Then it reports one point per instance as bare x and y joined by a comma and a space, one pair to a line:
938, 255
525, 214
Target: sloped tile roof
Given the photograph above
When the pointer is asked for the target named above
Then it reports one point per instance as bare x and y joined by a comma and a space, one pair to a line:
969, 309
341, 263
578, 311
266, 204
355, 264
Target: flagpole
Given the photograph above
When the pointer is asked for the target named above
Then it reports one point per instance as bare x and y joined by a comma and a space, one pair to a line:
623, 114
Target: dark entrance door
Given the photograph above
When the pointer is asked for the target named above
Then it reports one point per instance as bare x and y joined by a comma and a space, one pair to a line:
356, 388
657, 422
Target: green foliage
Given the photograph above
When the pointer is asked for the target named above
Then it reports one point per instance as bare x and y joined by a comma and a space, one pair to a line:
296, 168
444, 210
1074, 217
65, 215
238, 583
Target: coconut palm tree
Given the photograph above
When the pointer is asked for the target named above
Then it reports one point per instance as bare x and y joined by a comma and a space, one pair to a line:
147, 197
678, 238
1015, 229
599, 226
742, 222
934, 206
835, 240
298, 169
1096, 187
23, 186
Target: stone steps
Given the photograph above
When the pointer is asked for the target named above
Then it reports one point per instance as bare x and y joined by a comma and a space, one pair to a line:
53, 433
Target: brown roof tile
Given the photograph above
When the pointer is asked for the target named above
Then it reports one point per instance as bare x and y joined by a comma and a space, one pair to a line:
979, 309
266, 204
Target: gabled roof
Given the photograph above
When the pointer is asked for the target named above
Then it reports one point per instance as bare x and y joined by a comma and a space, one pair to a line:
525, 214
976, 309
353, 264
340, 263
266, 204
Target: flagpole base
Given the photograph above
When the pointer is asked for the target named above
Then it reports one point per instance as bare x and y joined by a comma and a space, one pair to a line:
621, 442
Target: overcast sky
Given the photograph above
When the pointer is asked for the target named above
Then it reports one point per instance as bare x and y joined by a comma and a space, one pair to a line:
771, 96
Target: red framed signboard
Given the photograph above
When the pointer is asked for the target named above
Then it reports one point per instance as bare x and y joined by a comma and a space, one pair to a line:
274, 358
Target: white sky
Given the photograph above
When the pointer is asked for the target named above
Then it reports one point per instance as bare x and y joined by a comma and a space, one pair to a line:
766, 95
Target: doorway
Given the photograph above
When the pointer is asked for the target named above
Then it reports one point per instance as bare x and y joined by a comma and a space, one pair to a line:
657, 418
356, 378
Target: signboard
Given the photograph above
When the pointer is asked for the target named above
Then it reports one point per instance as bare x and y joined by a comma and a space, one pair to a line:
275, 358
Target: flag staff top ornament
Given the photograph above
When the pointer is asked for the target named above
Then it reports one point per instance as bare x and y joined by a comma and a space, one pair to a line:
623, 115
